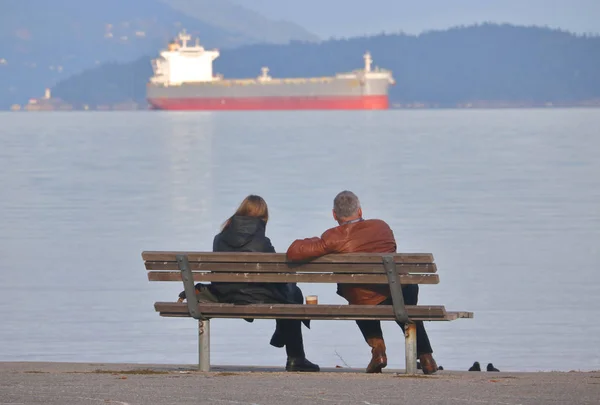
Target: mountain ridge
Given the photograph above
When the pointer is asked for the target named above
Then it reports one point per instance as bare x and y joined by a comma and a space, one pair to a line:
347, 18
236, 17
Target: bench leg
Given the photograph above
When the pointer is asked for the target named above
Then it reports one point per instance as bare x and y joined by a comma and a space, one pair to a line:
410, 338
204, 345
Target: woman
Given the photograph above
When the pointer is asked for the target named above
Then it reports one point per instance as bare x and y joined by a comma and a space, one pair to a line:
245, 232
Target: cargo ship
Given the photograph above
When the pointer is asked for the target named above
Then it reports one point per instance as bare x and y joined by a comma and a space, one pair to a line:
184, 80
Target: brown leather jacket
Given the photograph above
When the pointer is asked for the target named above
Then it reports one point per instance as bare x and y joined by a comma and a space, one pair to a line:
367, 236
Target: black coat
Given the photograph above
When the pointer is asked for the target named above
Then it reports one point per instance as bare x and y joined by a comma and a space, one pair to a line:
247, 234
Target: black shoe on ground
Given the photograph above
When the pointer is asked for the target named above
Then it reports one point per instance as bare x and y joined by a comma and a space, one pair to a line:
300, 364
490, 367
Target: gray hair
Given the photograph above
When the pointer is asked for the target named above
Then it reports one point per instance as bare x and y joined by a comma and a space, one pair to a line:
346, 204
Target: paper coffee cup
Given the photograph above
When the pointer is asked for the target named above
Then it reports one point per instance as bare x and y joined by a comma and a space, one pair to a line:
312, 300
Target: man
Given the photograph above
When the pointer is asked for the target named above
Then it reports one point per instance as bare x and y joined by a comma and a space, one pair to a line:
356, 235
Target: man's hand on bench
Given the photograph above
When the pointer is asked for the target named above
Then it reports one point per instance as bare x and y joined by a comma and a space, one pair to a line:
181, 297
202, 292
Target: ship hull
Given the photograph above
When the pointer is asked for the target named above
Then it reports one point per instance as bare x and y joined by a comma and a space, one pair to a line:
271, 103
283, 94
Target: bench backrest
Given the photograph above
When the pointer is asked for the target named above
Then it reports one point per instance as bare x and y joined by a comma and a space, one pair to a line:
352, 268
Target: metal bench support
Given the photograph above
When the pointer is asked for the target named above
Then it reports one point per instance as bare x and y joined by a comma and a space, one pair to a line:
192, 301
410, 339
204, 345
410, 330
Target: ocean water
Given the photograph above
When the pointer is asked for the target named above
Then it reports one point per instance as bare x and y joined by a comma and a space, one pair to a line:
508, 201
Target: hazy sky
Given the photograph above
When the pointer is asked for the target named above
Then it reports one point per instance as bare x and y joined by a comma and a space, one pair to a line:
328, 18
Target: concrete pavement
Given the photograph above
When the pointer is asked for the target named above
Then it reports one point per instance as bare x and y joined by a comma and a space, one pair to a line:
128, 384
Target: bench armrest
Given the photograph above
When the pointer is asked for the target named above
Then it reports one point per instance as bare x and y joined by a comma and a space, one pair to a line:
188, 284
395, 289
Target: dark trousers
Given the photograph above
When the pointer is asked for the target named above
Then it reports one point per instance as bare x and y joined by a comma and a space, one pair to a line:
372, 329
288, 333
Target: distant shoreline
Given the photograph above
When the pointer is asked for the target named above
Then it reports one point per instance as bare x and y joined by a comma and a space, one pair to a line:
393, 106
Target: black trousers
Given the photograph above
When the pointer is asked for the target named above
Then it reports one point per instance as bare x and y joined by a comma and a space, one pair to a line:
372, 329
288, 333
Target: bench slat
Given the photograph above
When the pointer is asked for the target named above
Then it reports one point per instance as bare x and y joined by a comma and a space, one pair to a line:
253, 267
459, 315
295, 278
339, 312
426, 258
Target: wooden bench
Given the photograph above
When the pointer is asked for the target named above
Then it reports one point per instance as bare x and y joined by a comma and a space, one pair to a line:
360, 268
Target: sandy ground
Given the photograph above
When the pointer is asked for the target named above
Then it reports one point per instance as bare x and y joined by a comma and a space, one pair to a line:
128, 384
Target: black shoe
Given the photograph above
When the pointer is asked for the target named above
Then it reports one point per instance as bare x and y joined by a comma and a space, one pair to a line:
490, 367
475, 367
300, 364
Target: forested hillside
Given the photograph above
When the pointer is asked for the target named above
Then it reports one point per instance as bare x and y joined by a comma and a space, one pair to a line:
468, 64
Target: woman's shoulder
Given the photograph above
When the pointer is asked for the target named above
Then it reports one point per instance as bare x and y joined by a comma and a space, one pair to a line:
260, 243
268, 246
217, 242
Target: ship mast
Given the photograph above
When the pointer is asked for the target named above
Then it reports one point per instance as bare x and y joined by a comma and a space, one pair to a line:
368, 61
264, 74
184, 38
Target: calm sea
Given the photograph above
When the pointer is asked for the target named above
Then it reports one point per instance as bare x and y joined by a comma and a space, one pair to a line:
508, 201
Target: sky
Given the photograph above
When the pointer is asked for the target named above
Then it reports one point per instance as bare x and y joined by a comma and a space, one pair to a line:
346, 18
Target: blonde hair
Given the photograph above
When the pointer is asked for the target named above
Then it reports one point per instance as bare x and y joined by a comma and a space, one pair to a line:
252, 206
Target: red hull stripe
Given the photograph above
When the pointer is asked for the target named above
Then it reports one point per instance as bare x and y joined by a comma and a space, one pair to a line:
272, 103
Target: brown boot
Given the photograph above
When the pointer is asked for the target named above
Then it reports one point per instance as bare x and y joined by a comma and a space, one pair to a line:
428, 363
379, 359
